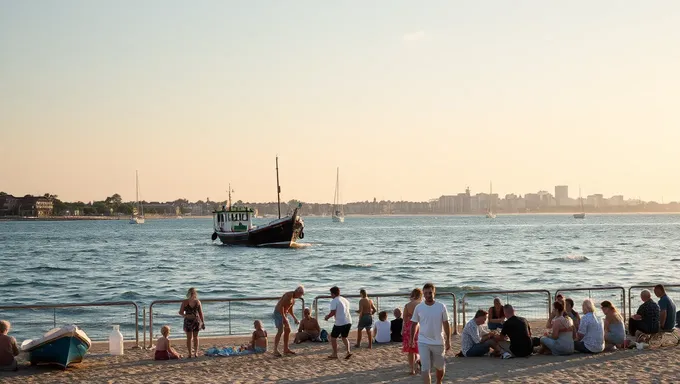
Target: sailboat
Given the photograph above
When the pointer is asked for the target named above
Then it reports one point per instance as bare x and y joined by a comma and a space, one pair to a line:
581, 215
138, 209
489, 213
338, 213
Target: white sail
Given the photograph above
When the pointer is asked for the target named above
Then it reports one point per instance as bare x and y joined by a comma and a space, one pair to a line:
138, 210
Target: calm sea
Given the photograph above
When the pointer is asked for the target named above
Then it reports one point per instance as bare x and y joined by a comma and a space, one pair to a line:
88, 261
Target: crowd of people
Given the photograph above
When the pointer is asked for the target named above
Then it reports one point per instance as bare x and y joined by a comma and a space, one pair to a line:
423, 329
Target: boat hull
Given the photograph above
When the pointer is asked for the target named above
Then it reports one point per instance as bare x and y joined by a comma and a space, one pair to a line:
579, 215
137, 220
338, 219
282, 233
62, 350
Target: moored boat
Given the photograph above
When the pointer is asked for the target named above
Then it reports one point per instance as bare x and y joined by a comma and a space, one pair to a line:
59, 346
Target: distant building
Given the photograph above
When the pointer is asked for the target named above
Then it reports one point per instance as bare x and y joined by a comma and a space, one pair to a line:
533, 201
8, 205
616, 201
595, 201
447, 204
34, 206
561, 194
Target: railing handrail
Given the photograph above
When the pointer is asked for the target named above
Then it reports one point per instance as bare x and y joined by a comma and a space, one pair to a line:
88, 304
315, 302
501, 292
630, 298
215, 300
607, 288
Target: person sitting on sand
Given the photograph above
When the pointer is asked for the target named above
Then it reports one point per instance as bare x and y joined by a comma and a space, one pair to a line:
554, 315
395, 326
365, 311
192, 312
496, 315
575, 317
8, 348
163, 349
646, 320
474, 341
343, 322
381, 329
666, 309
284, 308
590, 336
259, 340
518, 331
614, 327
309, 328
559, 340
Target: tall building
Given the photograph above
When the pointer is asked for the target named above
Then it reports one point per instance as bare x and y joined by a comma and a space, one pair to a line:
561, 193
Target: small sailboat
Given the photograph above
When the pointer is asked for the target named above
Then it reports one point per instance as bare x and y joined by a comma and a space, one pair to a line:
338, 212
489, 212
582, 214
138, 209
60, 346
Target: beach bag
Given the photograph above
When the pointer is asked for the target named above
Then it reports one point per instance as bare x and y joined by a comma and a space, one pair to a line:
323, 336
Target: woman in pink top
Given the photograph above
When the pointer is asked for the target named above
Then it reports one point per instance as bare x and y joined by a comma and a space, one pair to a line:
413, 358
8, 348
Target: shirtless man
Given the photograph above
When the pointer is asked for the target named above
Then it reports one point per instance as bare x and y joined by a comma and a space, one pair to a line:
366, 311
309, 328
284, 308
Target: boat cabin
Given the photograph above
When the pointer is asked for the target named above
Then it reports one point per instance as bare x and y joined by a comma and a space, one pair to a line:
234, 219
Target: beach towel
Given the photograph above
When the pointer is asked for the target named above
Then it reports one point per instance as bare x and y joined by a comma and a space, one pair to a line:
232, 351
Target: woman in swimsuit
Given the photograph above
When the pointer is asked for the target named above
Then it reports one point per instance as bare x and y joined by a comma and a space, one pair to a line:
413, 358
192, 312
496, 315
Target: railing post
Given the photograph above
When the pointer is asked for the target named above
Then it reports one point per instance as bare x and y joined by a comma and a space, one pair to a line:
144, 326
377, 304
136, 326
54, 319
151, 325
229, 318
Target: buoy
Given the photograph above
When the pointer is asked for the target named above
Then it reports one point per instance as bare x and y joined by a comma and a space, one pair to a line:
214, 236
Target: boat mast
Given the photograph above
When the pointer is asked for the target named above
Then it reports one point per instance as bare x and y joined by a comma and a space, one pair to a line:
137, 189
278, 187
580, 199
229, 206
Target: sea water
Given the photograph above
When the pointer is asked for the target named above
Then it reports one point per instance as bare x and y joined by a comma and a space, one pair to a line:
93, 261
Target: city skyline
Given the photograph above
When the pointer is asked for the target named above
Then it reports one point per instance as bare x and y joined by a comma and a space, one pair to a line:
408, 100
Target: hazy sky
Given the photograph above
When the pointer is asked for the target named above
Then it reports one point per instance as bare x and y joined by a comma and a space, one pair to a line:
410, 99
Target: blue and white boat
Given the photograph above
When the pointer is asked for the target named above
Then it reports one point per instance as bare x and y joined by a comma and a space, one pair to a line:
60, 346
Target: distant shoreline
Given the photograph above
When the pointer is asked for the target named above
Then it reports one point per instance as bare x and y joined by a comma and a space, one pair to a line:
125, 218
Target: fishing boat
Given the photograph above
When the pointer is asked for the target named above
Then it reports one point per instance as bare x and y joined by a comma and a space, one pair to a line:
489, 213
582, 214
60, 346
233, 225
338, 214
138, 209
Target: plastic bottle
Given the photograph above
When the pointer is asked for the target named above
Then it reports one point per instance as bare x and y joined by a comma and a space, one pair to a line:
116, 342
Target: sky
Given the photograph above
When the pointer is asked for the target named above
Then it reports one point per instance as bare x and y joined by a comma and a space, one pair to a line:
410, 100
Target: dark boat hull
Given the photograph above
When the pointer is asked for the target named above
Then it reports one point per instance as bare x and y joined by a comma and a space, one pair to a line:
282, 233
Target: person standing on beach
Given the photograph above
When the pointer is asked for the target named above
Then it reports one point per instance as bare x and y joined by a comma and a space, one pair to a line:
343, 322
192, 311
406, 345
431, 320
284, 308
365, 311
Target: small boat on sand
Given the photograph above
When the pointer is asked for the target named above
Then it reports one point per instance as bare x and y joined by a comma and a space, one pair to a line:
59, 346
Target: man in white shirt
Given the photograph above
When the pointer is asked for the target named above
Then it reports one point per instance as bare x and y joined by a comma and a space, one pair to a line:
474, 341
343, 322
432, 320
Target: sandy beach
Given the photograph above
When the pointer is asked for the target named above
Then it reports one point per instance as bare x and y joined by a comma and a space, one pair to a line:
383, 364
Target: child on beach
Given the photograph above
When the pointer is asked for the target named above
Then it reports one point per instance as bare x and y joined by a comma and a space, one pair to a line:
163, 349
259, 341
381, 329
8, 348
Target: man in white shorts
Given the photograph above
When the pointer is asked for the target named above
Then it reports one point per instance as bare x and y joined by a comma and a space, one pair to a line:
432, 319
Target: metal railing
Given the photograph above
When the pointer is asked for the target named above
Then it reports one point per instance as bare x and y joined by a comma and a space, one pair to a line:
651, 288
507, 298
377, 296
590, 296
227, 300
80, 305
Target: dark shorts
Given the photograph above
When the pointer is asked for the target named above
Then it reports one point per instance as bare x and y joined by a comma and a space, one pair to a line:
342, 330
365, 322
